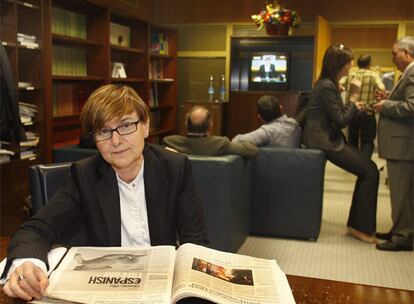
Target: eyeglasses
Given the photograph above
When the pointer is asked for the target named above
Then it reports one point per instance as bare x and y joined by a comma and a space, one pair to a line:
123, 129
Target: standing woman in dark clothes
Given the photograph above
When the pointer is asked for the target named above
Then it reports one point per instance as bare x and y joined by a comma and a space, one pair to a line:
327, 115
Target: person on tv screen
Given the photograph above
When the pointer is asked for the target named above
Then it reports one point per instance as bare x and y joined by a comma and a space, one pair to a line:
269, 69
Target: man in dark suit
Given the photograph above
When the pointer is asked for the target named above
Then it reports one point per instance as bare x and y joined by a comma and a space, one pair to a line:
395, 140
267, 71
199, 141
131, 194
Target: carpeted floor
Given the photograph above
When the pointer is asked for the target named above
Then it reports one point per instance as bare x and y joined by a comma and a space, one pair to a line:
336, 255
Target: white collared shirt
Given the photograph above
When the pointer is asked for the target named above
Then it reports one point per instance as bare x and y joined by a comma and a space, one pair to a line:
134, 216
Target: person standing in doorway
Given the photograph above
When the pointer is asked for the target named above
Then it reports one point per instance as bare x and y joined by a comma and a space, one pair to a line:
363, 128
395, 144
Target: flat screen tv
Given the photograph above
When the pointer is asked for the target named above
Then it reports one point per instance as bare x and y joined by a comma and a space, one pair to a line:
269, 71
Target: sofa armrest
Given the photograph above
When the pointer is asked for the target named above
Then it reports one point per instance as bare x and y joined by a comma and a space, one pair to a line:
287, 192
224, 186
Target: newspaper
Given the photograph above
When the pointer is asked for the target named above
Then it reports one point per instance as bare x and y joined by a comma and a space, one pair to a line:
161, 274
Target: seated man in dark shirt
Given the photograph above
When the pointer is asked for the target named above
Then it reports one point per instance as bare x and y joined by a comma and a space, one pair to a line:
199, 141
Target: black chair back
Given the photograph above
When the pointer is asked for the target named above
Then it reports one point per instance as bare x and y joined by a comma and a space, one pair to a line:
45, 180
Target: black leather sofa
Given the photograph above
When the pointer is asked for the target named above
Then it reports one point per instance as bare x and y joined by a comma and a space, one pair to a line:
280, 193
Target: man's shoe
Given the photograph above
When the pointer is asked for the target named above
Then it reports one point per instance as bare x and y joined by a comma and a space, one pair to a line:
384, 235
393, 246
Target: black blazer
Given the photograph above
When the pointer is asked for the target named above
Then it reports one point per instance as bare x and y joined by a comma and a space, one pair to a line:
91, 194
326, 116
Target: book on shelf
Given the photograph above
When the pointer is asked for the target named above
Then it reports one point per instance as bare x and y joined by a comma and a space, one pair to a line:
158, 44
5, 155
68, 61
118, 70
151, 102
63, 99
27, 112
32, 140
28, 41
155, 94
155, 121
163, 275
28, 154
68, 23
156, 69
4, 158
25, 85
120, 34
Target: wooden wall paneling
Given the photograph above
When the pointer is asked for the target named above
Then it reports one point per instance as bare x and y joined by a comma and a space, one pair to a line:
14, 190
322, 42
215, 11
98, 31
241, 115
47, 53
8, 22
409, 28
365, 36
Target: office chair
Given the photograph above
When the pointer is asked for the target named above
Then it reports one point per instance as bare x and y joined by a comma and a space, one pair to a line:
44, 181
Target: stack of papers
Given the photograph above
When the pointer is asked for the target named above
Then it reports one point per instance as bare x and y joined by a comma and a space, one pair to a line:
27, 41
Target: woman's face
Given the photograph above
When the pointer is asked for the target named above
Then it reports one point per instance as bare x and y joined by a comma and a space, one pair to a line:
124, 151
345, 70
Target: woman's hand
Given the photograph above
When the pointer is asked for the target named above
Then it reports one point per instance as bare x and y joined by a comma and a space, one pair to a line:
360, 105
26, 282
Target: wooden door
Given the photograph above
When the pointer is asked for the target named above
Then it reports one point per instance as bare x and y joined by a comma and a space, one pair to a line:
323, 33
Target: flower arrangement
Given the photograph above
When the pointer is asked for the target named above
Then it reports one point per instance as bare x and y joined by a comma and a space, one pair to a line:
276, 15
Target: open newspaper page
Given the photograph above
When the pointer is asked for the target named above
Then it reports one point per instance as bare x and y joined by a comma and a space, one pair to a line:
228, 278
114, 275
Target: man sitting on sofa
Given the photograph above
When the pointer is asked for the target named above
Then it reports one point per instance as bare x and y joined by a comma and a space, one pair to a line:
199, 141
277, 128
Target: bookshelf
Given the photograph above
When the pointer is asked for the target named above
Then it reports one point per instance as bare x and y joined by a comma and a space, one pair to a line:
128, 38
162, 82
77, 47
91, 44
21, 33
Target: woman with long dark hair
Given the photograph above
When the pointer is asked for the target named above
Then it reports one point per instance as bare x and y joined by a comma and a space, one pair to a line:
327, 115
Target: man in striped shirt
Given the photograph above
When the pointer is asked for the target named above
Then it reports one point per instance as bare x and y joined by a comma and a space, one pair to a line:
363, 128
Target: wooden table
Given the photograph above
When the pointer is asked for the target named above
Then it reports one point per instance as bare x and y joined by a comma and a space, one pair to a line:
311, 290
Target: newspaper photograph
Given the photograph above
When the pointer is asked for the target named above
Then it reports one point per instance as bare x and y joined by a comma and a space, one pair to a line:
114, 275
228, 278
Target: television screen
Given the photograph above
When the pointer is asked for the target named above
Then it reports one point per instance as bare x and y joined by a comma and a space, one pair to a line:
269, 71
